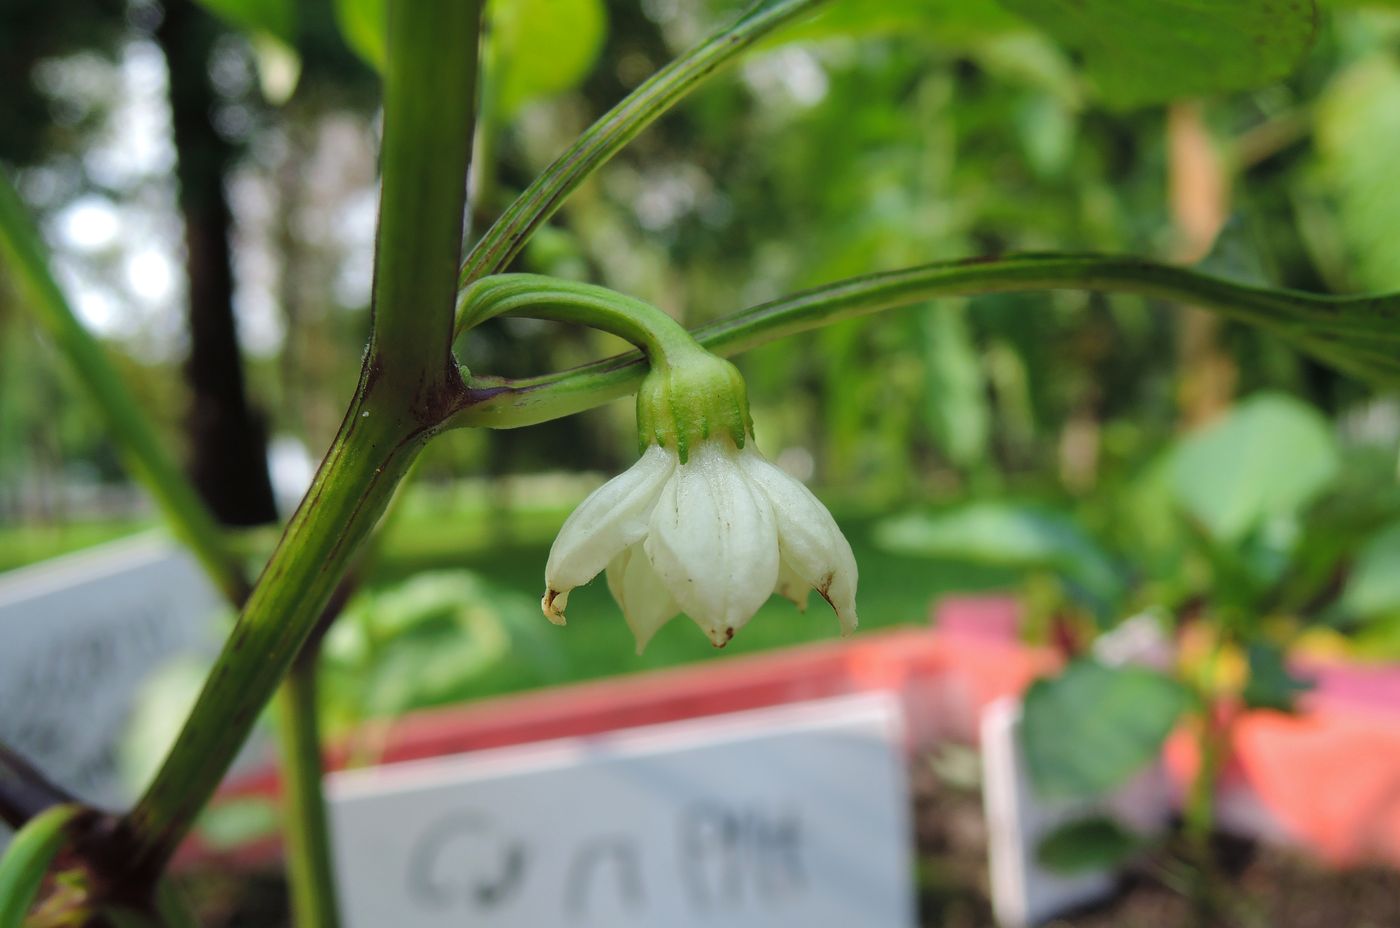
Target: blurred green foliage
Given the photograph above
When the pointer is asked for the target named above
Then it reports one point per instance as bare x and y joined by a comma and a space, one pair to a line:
1021, 537
1267, 459
870, 137
273, 17
1086, 845
1373, 589
425, 642
1089, 729
873, 136
1150, 51
1256, 513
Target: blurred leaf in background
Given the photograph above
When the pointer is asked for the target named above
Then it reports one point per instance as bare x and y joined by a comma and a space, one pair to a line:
1271, 685
1092, 728
1267, 459
948, 22
543, 47
424, 642
273, 30
1006, 534
1357, 124
363, 23
536, 48
1140, 52
277, 18
1088, 844
1373, 588
955, 391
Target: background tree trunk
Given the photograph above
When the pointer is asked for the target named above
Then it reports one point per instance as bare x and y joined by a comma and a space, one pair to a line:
228, 446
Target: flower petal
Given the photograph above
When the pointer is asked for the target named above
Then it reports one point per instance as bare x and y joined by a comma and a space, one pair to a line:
613, 517
713, 541
791, 585
811, 543
553, 604
646, 603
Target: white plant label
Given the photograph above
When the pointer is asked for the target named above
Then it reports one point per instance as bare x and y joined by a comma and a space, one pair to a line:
794, 816
80, 635
1023, 892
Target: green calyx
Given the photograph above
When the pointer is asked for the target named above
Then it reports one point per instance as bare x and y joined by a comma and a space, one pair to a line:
692, 398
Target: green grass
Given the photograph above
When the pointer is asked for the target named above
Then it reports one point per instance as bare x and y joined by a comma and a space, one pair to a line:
28, 544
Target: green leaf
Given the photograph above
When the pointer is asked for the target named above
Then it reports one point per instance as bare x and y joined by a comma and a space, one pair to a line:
955, 394
536, 47
1373, 589
1271, 685
1005, 535
949, 22
1357, 122
1140, 52
543, 47
1270, 457
365, 24
1093, 727
274, 17
25, 862
1095, 843
422, 643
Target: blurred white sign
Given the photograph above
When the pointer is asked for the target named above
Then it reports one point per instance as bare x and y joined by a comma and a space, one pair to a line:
78, 635
794, 816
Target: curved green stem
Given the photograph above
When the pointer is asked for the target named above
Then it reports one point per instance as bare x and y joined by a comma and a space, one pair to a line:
1359, 334
536, 297
508, 235
28, 858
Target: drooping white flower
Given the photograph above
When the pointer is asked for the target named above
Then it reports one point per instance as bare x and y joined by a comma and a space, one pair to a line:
712, 535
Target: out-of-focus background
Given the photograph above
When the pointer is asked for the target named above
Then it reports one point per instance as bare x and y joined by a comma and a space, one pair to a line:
1093, 454
938, 135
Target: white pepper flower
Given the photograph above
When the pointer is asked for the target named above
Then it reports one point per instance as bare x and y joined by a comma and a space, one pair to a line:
702, 523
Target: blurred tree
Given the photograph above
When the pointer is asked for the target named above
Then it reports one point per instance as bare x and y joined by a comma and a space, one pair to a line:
228, 444
30, 32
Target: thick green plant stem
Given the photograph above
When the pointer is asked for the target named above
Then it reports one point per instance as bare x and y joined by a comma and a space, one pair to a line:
624, 122
28, 858
1358, 334
24, 793
429, 107
1211, 743
1213, 738
145, 454
351, 489
407, 387
311, 871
